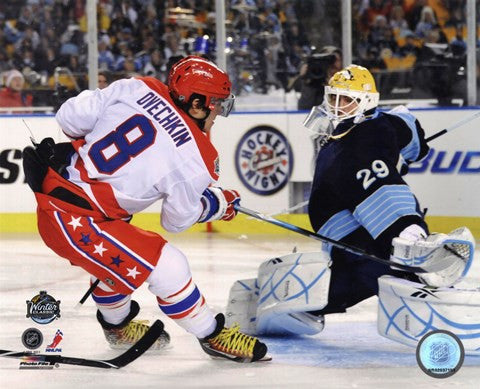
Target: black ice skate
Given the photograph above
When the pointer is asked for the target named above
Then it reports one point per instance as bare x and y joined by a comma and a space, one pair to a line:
122, 336
230, 343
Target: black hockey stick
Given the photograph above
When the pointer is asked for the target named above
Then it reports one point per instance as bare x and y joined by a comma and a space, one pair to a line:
88, 293
336, 243
452, 127
122, 360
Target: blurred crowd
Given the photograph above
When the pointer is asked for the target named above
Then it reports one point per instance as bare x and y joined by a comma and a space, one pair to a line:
415, 45
270, 43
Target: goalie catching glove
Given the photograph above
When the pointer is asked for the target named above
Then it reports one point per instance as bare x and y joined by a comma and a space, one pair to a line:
218, 204
445, 258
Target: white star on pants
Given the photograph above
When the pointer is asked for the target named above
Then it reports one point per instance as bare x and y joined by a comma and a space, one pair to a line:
99, 249
75, 223
133, 272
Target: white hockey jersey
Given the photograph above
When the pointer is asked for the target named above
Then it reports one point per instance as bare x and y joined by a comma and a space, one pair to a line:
134, 147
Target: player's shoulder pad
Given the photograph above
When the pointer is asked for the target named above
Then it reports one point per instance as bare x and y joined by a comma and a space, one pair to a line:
403, 113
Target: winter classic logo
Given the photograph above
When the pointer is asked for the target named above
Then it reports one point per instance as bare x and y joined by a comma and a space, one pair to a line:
264, 160
440, 354
43, 308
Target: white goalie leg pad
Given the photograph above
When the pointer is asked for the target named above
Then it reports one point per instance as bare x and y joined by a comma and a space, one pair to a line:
290, 286
242, 305
276, 303
408, 310
446, 258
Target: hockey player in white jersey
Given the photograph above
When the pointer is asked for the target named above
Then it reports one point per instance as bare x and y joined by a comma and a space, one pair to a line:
136, 142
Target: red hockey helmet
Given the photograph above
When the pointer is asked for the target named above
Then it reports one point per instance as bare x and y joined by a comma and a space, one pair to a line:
197, 75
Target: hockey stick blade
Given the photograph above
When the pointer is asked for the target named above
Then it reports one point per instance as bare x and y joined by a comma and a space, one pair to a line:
143, 344
336, 243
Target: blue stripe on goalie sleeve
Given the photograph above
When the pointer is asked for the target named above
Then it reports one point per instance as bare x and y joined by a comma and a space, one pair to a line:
183, 305
411, 151
385, 206
339, 225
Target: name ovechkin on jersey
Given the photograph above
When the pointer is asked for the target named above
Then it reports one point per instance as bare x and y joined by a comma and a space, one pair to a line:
161, 111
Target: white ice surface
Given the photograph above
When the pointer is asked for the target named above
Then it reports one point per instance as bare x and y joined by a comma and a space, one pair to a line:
347, 354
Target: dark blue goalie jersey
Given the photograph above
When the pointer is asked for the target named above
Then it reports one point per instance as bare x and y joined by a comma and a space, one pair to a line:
358, 193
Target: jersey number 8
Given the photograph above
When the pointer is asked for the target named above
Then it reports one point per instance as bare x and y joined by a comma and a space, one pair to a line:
122, 144
379, 169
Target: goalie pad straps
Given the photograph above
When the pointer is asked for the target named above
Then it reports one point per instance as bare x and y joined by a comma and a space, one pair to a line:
279, 300
289, 287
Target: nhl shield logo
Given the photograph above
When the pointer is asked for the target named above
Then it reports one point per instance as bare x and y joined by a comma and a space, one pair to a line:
264, 160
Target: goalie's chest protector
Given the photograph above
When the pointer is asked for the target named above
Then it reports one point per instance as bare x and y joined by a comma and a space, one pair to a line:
340, 183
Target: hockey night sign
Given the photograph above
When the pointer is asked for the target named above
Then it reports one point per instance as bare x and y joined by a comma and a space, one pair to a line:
264, 160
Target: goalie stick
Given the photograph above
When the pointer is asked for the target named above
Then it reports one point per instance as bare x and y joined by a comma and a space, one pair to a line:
453, 126
336, 243
122, 360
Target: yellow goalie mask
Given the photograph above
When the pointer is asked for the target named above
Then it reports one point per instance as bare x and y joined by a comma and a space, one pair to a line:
349, 93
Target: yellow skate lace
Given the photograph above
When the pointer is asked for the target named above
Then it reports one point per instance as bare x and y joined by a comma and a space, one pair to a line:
232, 341
134, 330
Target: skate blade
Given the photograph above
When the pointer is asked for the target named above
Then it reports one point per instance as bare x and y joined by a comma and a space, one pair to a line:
160, 348
265, 358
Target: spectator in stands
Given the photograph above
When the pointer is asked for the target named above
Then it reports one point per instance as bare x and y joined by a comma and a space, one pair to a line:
398, 22
106, 60
315, 73
427, 22
456, 11
46, 60
373, 60
156, 67
296, 46
29, 35
126, 55
241, 23
5, 63
272, 20
119, 22
409, 48
377, 30
148, 43
413, 12
458, 45
173, 47
25, 59
12, 95
104, 79
375, 8
11, 33
152, 20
